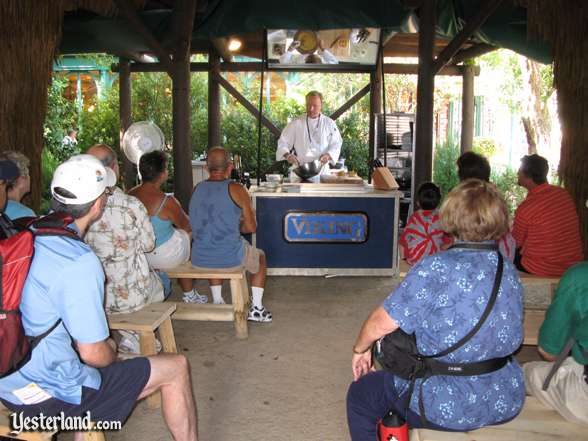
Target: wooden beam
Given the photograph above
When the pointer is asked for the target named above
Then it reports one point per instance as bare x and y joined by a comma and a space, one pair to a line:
254, 66
472, 25
214, 114
472, 52
467, 109
220, 45
250, 107
375, 108
129, 11
126, 119
423, 154
354, 99
182, 147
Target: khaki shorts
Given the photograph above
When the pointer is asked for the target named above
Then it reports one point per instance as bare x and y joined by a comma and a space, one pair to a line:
251, 258
249, 263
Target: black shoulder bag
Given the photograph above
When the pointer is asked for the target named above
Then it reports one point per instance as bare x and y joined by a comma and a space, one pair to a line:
397, 352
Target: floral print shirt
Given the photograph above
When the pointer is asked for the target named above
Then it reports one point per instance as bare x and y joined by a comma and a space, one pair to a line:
120, 239
441, 300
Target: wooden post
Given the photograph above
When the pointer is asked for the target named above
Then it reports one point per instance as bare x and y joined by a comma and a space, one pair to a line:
423, 155
126, 119
214, 115
467, 109
375, 108
183, 19
181, 130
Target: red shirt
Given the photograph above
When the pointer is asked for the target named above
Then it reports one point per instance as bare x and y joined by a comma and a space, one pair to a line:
547, 231
422, 236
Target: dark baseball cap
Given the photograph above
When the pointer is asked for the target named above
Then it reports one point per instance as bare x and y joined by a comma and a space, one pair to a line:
8, 170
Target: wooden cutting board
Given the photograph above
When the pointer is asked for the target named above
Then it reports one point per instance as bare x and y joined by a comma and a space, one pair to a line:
333, 179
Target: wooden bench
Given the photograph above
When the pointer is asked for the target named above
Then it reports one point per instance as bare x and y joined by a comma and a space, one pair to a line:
535, 423
5, 430
236, 311
152, 318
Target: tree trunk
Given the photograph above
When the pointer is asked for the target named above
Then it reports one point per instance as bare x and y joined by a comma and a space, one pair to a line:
535, 113
30, 31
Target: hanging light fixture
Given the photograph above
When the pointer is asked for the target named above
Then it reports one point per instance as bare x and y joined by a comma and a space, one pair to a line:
234, 44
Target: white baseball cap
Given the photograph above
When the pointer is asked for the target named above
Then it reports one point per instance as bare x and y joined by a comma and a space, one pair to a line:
84, 177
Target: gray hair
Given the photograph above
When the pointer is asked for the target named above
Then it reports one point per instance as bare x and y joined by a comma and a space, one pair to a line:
220, 163
21, 161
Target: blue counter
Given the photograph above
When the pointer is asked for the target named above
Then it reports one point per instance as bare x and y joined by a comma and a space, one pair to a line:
322, 229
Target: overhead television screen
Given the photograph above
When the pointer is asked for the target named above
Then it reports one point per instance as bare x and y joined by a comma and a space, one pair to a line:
303, 48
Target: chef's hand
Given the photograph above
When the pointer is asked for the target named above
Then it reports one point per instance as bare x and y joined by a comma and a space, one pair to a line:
325, 158
361, 364
292, 159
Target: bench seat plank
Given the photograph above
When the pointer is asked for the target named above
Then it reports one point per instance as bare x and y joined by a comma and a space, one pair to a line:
535, 423
147, 319
187, 271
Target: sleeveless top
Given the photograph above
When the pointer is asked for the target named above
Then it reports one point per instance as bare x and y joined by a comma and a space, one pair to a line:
163, 228
215, 219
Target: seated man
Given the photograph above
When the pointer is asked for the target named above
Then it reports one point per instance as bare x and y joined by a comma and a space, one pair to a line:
120, 239
566, 318
473, 165
546, 226
220, 210
73, 369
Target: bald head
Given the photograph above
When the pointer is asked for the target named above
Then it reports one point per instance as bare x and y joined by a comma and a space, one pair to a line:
217, 160
106, 155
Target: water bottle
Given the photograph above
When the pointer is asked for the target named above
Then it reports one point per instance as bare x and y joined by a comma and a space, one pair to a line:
392, 428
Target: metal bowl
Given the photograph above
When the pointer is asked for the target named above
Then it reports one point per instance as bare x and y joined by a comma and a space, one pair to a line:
309, 169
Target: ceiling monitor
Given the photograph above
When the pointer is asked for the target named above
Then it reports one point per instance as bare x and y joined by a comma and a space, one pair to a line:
307, 49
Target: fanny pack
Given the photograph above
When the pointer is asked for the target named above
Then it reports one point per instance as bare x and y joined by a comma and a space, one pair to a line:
397, 352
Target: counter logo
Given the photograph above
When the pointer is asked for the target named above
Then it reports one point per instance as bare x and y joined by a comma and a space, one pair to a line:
325, 226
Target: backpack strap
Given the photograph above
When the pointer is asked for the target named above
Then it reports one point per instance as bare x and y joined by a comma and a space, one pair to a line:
54, 224
560, 359
34, 341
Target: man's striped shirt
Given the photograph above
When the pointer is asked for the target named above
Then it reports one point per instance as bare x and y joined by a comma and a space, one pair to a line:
547, 231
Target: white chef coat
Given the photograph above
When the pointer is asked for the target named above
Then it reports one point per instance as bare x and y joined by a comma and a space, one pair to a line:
309, 139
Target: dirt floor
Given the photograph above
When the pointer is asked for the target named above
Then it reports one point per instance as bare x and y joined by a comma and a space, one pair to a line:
289, 379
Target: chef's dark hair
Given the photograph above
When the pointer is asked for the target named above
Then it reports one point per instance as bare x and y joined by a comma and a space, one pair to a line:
314, 93
535, 167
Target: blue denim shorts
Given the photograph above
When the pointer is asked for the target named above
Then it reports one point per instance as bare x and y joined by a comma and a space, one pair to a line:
122, 383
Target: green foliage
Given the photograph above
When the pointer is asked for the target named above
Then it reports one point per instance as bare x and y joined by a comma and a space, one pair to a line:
444, 167
61, 116
485, 147
506, 181
101, 125
48, 165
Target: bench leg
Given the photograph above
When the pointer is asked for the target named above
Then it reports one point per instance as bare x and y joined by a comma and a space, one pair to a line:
94, 436
147, 341
239, 311
167, 337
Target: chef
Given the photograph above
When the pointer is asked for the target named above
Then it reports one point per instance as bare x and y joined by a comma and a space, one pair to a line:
310, 137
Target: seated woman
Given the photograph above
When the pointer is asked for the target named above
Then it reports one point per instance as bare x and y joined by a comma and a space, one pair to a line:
19, 187
441, 300
172, 245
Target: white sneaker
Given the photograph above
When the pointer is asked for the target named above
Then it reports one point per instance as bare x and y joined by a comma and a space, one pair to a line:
195, 297
129, 344
259, 315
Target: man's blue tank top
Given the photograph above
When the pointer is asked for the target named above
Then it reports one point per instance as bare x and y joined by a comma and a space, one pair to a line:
215, 219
